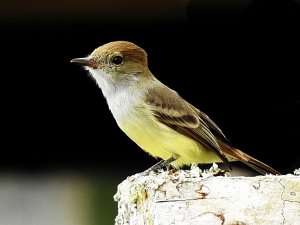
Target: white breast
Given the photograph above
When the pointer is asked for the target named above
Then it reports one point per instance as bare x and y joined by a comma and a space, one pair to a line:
123, 104
122, 99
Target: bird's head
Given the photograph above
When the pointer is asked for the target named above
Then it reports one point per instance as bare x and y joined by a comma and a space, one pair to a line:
115, 61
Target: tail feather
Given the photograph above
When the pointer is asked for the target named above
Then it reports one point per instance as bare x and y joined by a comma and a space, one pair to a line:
248, 160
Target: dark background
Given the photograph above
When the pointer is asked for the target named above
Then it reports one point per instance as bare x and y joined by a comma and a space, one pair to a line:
238, 62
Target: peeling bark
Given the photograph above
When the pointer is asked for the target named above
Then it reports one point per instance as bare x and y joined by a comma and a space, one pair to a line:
183, 198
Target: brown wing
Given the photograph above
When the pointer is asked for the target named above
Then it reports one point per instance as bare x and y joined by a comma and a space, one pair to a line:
173, 111
211, 124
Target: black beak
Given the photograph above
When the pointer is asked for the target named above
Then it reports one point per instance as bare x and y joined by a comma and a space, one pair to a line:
85, 62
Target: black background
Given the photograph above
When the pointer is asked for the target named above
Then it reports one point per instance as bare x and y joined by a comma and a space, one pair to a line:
240, 66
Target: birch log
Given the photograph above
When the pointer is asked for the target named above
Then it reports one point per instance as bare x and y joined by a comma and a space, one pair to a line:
184, 198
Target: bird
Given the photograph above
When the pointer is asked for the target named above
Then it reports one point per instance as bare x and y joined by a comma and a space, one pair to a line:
156, 117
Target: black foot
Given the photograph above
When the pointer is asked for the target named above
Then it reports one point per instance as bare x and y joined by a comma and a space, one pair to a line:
161, 164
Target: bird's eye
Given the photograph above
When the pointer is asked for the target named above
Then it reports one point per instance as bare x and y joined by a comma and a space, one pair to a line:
117, 60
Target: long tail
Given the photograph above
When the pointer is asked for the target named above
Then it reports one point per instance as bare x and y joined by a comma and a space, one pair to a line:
247, 159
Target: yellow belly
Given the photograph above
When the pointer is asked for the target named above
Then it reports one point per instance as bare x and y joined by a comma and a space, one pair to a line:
163, 142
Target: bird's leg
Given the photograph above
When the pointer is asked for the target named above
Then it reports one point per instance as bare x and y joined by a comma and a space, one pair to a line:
161, 164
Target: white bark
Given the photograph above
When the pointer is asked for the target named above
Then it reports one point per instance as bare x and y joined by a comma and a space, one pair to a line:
184, 198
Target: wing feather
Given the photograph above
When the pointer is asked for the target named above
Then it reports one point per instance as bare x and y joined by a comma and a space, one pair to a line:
172, 110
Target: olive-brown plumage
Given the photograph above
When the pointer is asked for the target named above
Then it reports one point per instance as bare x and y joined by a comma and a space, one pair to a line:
155, 117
